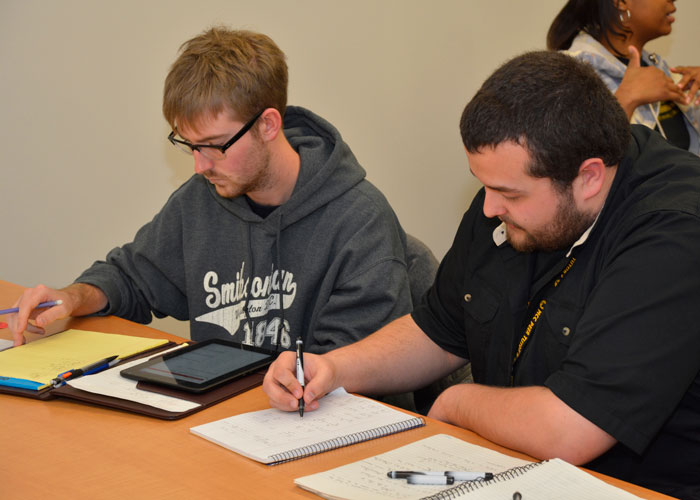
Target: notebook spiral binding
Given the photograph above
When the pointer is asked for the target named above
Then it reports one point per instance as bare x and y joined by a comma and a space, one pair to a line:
468, 486
339, 442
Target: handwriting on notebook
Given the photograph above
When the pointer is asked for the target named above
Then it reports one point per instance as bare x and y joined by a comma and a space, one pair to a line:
273, 435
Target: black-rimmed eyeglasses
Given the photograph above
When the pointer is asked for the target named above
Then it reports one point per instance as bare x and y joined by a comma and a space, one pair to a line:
211, 151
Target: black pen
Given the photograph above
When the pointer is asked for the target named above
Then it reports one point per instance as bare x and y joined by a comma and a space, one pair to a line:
300, 373
86, 370
456, 475
517, 496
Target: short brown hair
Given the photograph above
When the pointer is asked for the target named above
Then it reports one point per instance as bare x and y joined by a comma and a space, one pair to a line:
237, 71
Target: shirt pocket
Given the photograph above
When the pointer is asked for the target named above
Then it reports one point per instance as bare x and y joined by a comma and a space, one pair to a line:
481, 304
480, 301
559, 325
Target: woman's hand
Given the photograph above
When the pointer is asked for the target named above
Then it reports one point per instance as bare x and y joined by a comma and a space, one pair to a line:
646, 84
689, 82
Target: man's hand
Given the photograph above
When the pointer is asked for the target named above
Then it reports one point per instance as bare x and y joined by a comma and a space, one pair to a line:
646, 84
283, 389
77, 300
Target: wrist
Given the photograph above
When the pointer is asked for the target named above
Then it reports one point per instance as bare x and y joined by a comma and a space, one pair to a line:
335, 370
627, 103
83, 299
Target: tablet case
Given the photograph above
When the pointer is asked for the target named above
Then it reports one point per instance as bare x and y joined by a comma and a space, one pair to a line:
205, 399
158, 379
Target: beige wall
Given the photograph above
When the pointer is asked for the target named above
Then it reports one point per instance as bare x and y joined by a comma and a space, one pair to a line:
85, 161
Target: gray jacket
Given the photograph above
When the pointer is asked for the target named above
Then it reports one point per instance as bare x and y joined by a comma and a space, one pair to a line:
329, 264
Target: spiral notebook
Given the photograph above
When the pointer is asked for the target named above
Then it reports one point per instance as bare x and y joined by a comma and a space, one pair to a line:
273, 436
367, 479
549, 480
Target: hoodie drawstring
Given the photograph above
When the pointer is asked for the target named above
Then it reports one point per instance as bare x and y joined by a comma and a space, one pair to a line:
280, 325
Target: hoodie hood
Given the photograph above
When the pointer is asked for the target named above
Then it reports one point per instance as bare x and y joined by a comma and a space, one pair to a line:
328, 169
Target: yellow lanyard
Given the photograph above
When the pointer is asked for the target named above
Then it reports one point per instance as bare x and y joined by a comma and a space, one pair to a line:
538, 313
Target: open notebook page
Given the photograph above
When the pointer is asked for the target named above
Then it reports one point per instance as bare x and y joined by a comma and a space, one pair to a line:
367, 479
272, 435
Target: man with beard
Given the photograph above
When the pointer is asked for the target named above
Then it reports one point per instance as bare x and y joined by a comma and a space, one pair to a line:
277, 236
572, 287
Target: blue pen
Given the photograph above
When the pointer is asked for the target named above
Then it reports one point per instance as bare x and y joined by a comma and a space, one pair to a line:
103, 364
40, 306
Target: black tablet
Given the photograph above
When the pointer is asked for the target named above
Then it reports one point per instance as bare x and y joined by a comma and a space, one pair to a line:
202, 366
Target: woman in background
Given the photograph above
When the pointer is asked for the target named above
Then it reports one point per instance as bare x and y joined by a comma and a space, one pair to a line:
610, 35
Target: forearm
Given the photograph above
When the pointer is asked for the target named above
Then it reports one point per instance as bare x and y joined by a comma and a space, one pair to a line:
397, 358
528, 419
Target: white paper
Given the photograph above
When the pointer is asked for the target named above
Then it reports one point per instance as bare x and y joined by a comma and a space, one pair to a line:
368, 480
111, 383
341, 419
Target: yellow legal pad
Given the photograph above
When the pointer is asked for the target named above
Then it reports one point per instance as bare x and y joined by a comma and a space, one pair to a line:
43, 359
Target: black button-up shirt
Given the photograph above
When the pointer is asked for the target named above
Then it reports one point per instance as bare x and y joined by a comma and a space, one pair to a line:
618, 339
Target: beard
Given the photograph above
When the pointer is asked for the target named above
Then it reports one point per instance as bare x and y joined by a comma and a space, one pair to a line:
255, 175
567, 226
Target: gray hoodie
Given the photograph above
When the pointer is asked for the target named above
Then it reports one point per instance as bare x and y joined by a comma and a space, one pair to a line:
333, 256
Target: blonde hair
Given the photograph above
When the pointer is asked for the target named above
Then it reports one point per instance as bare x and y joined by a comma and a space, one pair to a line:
237, 71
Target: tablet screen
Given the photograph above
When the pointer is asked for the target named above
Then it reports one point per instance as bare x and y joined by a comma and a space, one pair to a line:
201, 366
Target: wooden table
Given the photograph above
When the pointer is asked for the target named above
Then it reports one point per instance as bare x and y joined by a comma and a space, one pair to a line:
65, 449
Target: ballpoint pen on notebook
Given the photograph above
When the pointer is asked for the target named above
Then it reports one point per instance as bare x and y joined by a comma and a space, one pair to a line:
98, 366
456, 475
39, 306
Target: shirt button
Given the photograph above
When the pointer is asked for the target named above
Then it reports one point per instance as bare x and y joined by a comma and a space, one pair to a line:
565, 331
468, 297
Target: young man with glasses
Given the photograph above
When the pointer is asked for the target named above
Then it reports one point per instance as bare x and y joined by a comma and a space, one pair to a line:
278, 234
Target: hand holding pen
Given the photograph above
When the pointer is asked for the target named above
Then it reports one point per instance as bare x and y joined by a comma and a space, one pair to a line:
14, 322
284, 388
41, 304
78, 299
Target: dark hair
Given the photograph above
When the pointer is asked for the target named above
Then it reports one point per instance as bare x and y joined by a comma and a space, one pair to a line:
554, 106
598, 18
